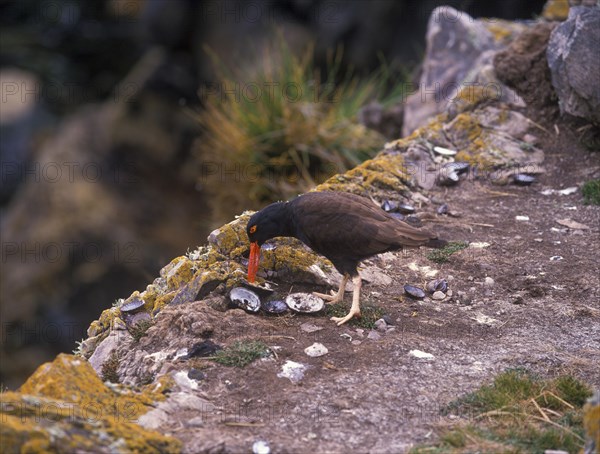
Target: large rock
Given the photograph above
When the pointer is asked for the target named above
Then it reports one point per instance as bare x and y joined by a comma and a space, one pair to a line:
575, 64
459, 56
65, 407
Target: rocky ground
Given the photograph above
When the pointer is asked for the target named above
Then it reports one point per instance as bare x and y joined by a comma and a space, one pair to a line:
524, 294
513, 305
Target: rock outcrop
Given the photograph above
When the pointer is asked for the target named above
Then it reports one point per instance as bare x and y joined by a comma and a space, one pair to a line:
575, 64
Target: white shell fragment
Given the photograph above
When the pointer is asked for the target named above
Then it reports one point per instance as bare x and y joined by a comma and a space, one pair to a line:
522, 218
304, 302
245, 299
261, 447
421, 355
316, 350
444, 151
293, 371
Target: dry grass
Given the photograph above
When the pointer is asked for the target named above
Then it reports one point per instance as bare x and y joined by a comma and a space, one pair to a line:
275, 132
517, 413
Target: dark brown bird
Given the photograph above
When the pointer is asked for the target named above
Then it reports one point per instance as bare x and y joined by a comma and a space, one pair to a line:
343, 227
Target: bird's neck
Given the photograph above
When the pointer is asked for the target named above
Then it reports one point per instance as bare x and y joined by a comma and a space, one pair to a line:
285, 224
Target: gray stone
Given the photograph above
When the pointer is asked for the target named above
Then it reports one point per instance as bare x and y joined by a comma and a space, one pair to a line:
380, 325
105, 349
438, 295
460, 51
373, 335
573, 42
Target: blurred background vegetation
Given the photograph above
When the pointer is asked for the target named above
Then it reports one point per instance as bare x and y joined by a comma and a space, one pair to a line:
124, 140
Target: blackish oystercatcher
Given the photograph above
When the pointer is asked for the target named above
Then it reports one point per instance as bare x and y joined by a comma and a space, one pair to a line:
343, 227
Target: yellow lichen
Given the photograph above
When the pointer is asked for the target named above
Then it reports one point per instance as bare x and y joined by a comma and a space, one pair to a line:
162, 301
64, 406
386, 171
556, 10
591, 421
180, 274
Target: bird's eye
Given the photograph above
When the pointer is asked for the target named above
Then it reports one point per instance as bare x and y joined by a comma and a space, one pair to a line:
253, 229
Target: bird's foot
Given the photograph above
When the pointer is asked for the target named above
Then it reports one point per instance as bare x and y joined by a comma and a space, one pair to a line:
332, 298
341, 320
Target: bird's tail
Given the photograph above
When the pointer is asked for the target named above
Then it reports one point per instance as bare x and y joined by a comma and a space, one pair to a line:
436, 243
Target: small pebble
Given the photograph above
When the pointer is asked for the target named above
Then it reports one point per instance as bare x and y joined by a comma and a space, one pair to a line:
195, 374
522, 218
380, 325
438, 295
310, 327
356, 342
374, 335
316, 350
488, 282
388, 320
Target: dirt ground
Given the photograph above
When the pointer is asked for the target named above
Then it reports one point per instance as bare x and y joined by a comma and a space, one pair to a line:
371, 395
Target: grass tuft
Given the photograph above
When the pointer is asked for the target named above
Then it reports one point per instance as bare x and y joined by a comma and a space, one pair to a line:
443, 255
518, 412
283, 127
110, 367
240, 353
369, 314
591, 192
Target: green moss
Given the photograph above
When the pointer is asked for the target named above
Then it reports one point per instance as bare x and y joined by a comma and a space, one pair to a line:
369, 314
110, 367
443, 255
241, 353
591, 192
139, 330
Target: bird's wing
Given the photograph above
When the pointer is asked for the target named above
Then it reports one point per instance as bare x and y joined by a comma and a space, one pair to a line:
345, 223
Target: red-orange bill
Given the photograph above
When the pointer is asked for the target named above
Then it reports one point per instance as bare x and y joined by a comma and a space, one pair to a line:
253, 261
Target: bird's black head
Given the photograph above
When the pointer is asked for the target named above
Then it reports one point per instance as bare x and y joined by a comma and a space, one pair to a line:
268, 223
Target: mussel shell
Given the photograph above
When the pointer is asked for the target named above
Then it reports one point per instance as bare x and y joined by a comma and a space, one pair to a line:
304, 302
389, 205
458, 167
414, 221
132, 305
523, 179
437, 285
245, 299
414, 292
444, 151
398, 216
406, 209
448, 177
132, 320
263, 291
202, 349
275, 307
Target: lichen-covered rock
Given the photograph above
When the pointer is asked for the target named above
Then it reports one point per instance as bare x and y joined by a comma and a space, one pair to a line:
591, 423
556, 10
459, 56
574, 41
65, 407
